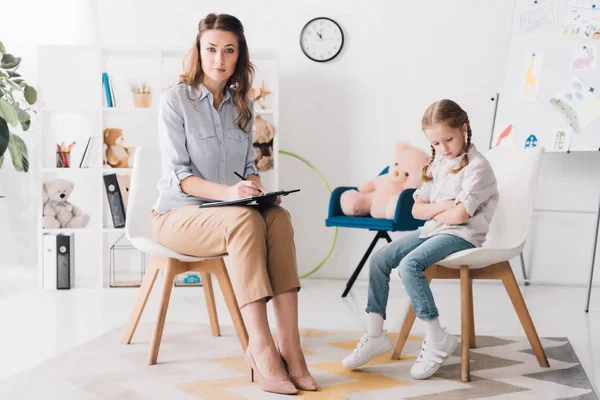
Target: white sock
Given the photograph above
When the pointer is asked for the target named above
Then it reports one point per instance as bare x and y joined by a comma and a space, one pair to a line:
375, 325
433, 331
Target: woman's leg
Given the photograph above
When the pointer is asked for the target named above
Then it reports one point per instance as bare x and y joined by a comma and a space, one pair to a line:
240, 232
283, 272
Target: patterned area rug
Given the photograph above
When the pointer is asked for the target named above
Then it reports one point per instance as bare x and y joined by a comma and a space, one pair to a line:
195, 365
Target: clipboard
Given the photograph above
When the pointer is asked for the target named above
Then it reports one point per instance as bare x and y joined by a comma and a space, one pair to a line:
247, 201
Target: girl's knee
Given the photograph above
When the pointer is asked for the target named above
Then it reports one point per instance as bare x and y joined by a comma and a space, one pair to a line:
378, 261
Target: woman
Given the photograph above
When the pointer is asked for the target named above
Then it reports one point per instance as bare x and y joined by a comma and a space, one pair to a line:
205, 133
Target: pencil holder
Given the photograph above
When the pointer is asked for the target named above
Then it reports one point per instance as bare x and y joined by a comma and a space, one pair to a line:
63, 159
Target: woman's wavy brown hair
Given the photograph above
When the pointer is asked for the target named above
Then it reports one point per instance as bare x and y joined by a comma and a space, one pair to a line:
244, 70
449, 113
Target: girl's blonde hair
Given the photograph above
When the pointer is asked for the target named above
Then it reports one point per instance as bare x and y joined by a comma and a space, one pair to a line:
449, 113
240, 81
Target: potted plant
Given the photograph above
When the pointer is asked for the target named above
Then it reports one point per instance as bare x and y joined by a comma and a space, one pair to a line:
142, 94
16, 99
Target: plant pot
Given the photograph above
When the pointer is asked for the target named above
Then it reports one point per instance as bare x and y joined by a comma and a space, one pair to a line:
142, 100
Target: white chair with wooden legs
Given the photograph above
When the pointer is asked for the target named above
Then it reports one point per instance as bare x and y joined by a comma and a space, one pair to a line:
517, 173
142, 195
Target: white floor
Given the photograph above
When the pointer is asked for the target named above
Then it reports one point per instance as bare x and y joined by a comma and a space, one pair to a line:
37, 325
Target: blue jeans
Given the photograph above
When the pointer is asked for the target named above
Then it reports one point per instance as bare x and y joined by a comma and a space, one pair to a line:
413, 255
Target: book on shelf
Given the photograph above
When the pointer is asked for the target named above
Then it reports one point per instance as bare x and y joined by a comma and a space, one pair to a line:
90, 149
106, 84
58, 261
112, 91
115, 200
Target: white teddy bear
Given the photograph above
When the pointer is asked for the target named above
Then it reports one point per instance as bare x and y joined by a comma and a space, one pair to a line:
58, 212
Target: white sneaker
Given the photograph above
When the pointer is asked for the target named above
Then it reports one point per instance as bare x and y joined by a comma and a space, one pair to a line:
367, 349
432, 356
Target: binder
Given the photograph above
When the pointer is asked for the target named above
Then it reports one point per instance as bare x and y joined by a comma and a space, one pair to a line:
49, 270
124, 182
115, 200
65, 260
253, 200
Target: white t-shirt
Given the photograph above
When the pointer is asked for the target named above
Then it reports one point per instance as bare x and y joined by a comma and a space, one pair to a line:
475, 186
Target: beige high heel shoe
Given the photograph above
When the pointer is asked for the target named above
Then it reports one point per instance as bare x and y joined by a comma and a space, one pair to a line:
306, 382
284, 386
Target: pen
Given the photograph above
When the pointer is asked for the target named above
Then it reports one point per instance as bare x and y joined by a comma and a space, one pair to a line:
242, 178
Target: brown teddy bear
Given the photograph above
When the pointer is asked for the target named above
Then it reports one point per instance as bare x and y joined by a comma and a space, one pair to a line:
117, 155
263, 133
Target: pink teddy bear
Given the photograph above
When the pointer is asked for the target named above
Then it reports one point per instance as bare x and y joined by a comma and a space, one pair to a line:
379, 197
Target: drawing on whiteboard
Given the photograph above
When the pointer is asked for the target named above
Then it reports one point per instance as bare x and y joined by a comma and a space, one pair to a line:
531, 141
504, 135
534, 18
583, 58
583, 21
531, 76
562, 140
578, 104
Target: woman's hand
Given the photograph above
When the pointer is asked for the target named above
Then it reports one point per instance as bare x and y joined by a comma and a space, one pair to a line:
272, 201
242, 189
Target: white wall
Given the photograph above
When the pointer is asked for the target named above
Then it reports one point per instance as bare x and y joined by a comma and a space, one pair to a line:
344, 115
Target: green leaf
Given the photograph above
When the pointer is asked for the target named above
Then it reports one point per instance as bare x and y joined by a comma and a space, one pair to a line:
25, 125
30, 94
13, 74
3, 74
1, 160
18, 81
8, 113
4, 136
23, 116
9, 61
18, 153
2, 49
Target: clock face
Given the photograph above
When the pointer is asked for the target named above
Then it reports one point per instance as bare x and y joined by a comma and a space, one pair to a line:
321, 39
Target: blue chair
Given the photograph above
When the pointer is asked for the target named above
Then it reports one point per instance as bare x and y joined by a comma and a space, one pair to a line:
403, 221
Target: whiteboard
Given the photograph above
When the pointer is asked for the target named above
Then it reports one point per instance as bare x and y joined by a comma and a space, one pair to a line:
545, 63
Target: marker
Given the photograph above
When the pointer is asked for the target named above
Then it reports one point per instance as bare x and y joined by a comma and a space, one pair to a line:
242, 178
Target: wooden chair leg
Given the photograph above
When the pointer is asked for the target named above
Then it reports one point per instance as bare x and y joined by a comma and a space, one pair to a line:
142, 298
465, 312
210, 303
472, 344
513, 291
169, 272
232, 304
407, 324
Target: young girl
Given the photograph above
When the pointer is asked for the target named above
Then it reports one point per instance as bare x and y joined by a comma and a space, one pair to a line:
458, 198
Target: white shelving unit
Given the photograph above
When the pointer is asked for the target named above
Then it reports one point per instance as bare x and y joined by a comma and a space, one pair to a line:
73, 108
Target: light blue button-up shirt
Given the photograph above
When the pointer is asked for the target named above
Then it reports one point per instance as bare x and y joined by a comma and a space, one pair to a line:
198, 140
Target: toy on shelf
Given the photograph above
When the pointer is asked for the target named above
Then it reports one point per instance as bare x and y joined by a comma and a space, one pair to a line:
117, 154
258, 95
58, 212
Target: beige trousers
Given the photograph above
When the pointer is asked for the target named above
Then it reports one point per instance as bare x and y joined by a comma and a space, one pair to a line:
258, 239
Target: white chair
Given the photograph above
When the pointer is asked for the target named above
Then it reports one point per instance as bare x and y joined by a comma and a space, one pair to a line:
517, 173
143, 194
